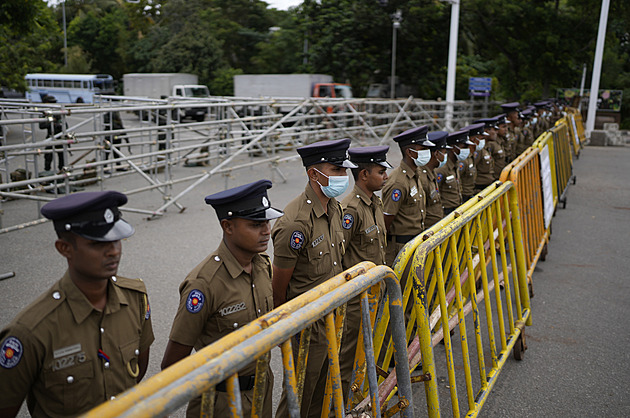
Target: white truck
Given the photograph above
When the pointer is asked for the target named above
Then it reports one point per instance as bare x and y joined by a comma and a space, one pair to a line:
160, 85
289, 85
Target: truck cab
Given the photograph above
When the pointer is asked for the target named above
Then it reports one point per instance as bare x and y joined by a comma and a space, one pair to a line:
332, 90
191, 91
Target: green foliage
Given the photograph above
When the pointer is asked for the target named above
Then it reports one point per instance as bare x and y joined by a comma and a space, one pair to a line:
28, 45
529, 48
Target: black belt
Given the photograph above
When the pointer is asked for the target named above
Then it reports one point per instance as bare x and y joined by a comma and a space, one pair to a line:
245, 382
400, 239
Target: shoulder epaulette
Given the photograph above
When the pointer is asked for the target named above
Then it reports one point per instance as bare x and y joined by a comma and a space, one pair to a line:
132, 284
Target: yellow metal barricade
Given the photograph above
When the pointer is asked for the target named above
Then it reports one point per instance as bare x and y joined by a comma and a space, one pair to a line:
472, 258
576, 130
198, 374
563, 157
525, 174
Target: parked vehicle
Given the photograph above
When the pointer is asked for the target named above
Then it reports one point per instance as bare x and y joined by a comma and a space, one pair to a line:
68, 88
289, 85
160, 85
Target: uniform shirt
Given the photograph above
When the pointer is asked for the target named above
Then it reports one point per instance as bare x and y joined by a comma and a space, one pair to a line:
498, 156
50, 352
403, 197
448, 181
485, 168
364, 228
435, 208
308, 240
514, 137
468, 175
218, 297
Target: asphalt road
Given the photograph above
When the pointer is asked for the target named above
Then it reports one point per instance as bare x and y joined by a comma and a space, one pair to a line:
577, 361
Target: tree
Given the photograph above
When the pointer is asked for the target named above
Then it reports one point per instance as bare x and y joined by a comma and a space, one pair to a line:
29, 41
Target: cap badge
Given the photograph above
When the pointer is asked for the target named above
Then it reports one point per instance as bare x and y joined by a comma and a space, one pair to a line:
265, 202
109, 216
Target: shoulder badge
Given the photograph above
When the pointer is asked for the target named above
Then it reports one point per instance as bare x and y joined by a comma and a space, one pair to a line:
297, 239
195, 301
348, 221
11, 352
396, 194
439, 177
147, 314
461, 166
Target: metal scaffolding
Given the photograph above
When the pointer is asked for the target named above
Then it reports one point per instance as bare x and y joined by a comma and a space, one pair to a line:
237, 133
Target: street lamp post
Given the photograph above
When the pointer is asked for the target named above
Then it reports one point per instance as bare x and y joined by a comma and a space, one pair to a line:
452, 64
396, 19
65, 38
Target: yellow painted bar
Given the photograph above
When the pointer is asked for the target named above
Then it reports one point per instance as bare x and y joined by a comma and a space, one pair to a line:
149, 387
260, 385
462, 322
234, 396
333, 367
290, 380
447, 336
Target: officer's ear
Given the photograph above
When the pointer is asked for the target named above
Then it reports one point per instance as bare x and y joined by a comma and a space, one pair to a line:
311, 172
228, 226
64, 247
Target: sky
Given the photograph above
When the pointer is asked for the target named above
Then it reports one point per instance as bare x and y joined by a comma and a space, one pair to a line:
278, 4
283, 4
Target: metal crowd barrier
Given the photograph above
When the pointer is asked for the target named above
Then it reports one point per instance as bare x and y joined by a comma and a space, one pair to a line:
564, 159
169, 158
576, 130
457, 266
526, 175
198, 374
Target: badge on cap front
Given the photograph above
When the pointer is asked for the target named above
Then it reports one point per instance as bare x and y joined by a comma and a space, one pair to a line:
265, 202
109, 216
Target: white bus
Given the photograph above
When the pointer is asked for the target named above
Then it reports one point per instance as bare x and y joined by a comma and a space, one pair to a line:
68, 88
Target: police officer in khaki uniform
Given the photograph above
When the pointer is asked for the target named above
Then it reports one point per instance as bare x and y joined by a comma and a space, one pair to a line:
87, 338
528, 129
505, 138
512, 115
467, 168
484, 164
429, 178
308, 247
492, 145
403, 195
449, 175
541, 116
364, 230
228, 289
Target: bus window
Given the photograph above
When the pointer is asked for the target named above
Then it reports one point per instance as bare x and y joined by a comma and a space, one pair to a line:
58, 83
67, 84
47, 83
76, 84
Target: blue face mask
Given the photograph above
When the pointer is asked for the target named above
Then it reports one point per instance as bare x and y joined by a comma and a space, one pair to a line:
443, 161
463, 154
423, 157
481, 144
336, 185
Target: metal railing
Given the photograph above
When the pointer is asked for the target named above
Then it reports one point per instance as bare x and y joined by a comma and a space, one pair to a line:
198, 374
172, 158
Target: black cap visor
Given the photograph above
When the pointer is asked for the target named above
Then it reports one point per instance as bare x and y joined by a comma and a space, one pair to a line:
263, 215
120, 230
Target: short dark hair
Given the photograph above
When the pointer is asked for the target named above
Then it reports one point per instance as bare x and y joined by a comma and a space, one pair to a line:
67, 236
362, 166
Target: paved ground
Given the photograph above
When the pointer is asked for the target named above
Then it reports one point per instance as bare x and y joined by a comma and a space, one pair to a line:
577, 360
